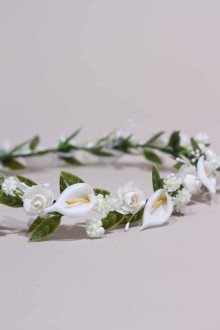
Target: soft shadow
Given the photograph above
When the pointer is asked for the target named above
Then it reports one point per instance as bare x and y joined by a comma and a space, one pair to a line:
144, 166
178, 214
203, 197
152, 227
11, 225
8, 172
68, 233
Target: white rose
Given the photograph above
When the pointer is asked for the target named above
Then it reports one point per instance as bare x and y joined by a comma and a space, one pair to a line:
37, 198
190, 178
129, 199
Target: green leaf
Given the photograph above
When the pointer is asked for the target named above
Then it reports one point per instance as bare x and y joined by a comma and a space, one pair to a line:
12, 164
31, 142
136, 218
34, 142
66, 147
2, 179
112, 219
73, 135
103, 139
123, 144
183, 151
19, 146
101, 192
218, 169
174, 141
175, 193
67, 179
45, 228
55, 213
154, 138
195, 145
12, 201
150, 155
156, 180
71, 160
178, 165
27, 181
101, 153
35, 224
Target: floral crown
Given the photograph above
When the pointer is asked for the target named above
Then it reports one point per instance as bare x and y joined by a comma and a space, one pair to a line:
196, 166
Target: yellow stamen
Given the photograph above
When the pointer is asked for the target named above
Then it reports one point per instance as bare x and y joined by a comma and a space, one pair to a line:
159, 202
207, 174
78, 201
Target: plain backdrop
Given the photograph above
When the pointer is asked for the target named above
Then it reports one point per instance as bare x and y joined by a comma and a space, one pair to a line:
94, 64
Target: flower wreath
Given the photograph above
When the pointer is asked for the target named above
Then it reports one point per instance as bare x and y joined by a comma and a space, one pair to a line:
196, 165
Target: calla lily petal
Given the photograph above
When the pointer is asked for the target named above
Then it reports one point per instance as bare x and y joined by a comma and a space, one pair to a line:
75, 195
209, 181
158, 209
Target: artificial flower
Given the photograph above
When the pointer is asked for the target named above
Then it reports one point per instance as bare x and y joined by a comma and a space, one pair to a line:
103, 204
129, 199
213, 159
37, 198
202, 138
206, 174
181, 199
190, 178
94, 228
9, 186
158, 209
76, 200
195, 154
172, 182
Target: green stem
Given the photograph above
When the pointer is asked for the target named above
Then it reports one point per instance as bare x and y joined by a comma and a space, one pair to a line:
67, 149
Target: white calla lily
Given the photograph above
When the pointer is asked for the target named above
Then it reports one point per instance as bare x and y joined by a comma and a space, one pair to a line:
158, 209
74, 201
207, 175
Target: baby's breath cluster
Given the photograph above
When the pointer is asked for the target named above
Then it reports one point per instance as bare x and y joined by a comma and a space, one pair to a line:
9, 186
104, 204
